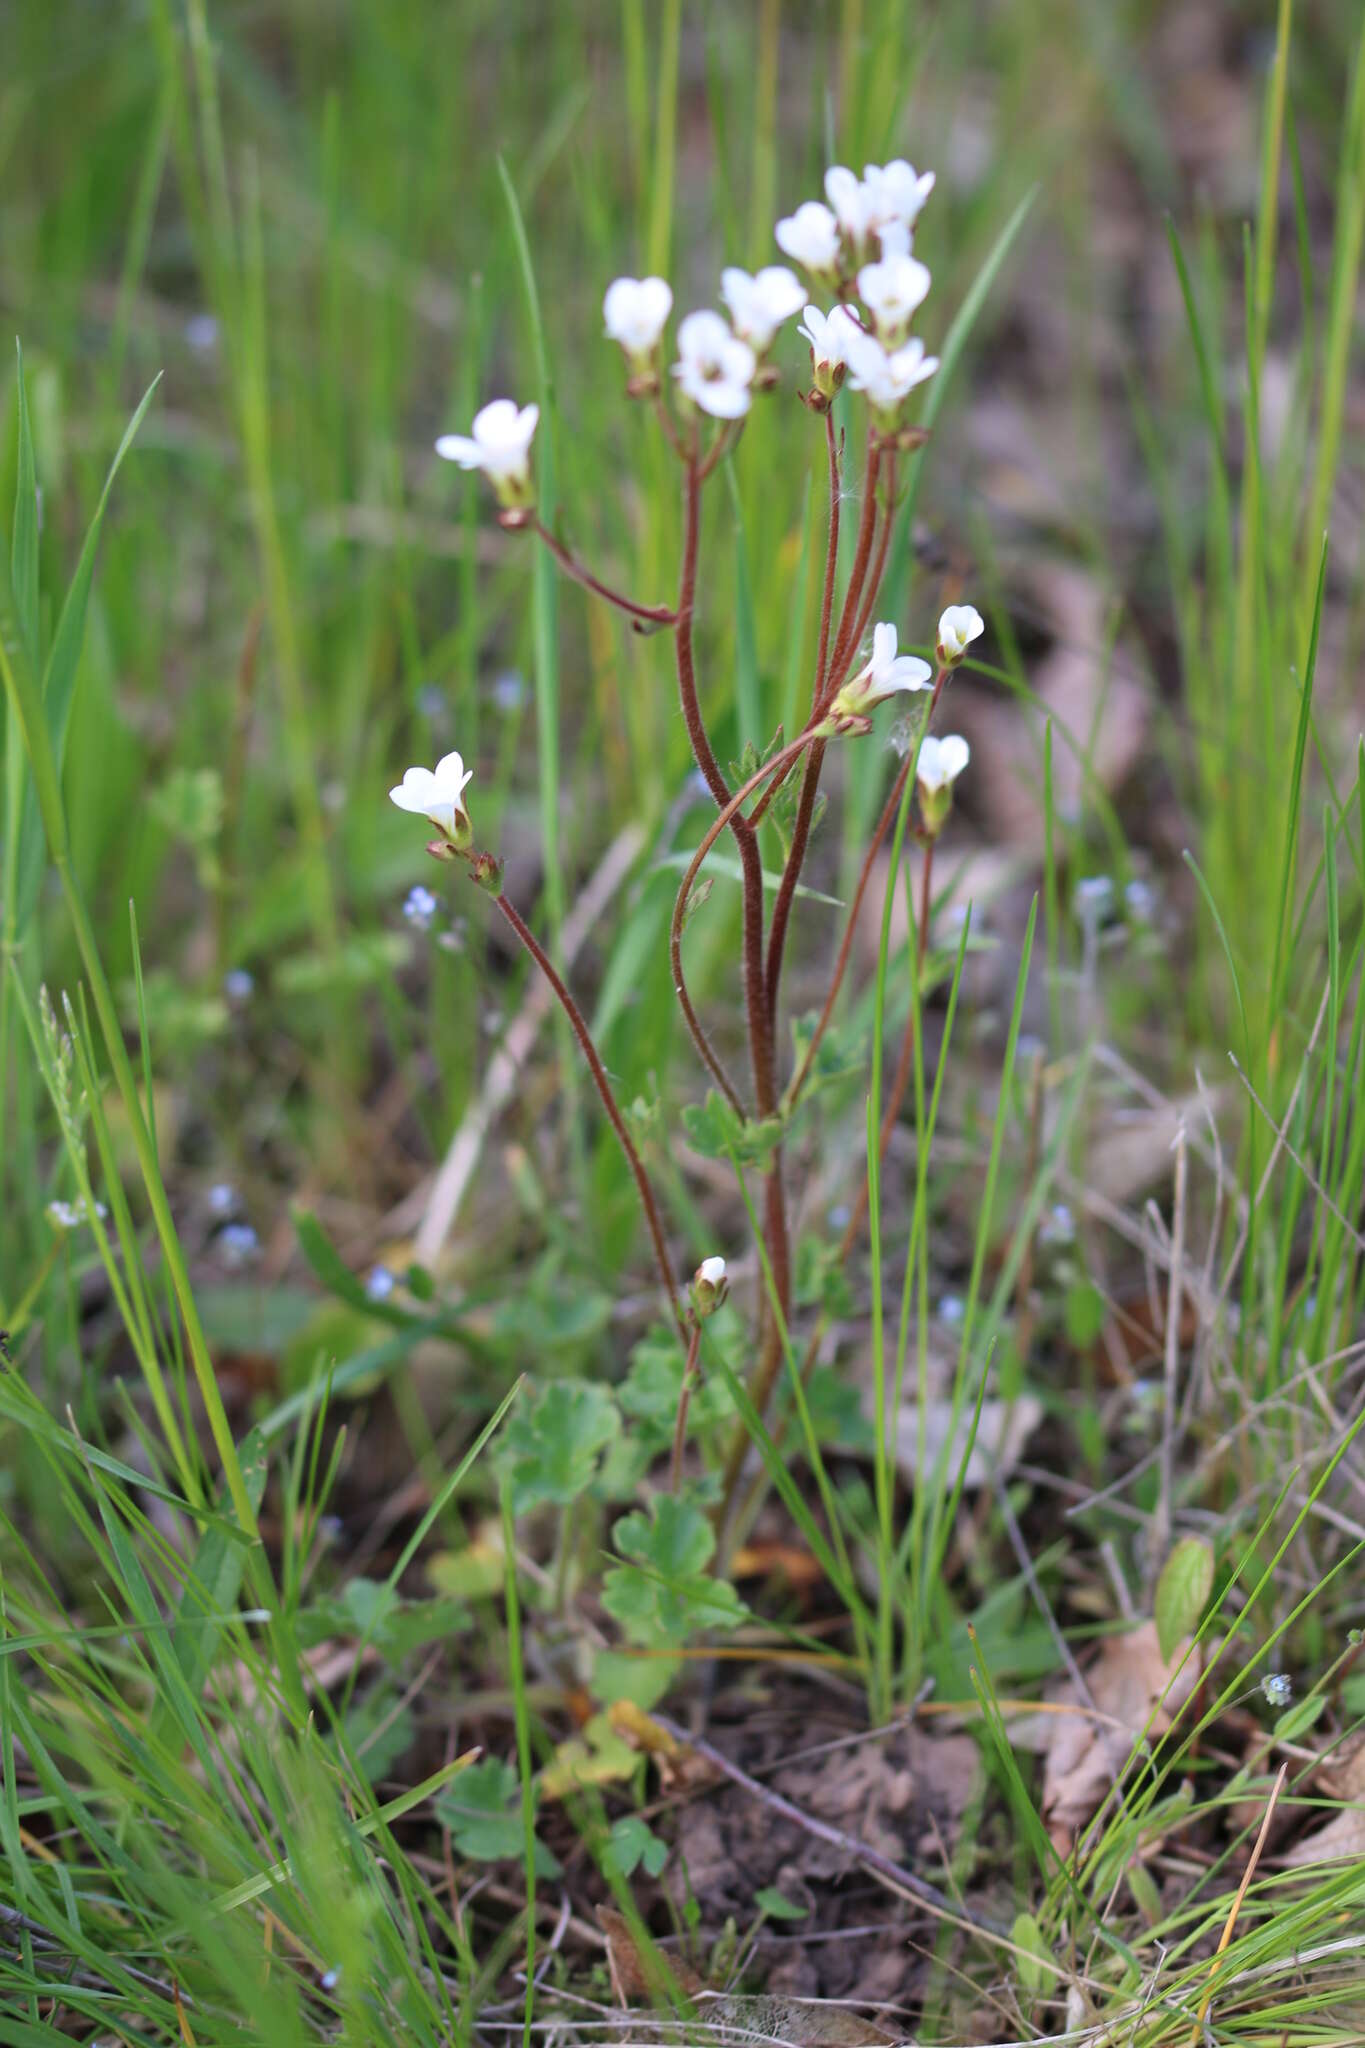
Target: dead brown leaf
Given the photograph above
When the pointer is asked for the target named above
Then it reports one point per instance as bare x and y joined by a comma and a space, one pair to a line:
1342, 1776
1087, 1750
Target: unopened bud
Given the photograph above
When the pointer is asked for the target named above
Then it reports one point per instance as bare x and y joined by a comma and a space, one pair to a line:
486, 869
710, 1285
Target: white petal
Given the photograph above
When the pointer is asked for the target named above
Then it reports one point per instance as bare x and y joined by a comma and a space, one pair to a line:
908, 672
496, 424
452, 778
415, 791
459, 448
701, 335
883, 646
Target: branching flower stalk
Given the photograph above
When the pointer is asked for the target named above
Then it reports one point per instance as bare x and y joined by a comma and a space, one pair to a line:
857, 251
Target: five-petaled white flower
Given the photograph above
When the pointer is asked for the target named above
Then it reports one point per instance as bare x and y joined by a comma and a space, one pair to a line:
892, 290
884, 675
714, 368
758, 305
810, 236
829, 338
498, 443
888, 377
939, 765
895, 196
849, 198
958, 627
636, 310
439, 795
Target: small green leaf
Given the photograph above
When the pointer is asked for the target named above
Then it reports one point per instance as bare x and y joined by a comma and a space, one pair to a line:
555, 1443
1146, 1897
482, 1809
771, 1902
1033, 1959
649, 1393
1084, 1311
632, 1844
664, 1594
1299, 1718
717, 1131
1182, 1592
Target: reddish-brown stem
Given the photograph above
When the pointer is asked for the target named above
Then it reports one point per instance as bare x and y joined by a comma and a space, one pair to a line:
746, 840
824, 693
889, 810
645, 614
614, 1116
831, 560
844, 641
791, 874
670, 432
724, 817
874, 581
684, 1401
687, 674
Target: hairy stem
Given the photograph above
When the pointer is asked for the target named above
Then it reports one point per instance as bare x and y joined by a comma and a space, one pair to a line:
831, 559
642, 614
883, 826
684, 1402
845, 639
609, 1103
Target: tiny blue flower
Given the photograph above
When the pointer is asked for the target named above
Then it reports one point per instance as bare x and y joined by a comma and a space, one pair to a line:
222, 1198
1278, 1688
238, 985
1059, 1225
379, 1283
431, 701
952, 1310
238, 1244
201, 332
1094, 899
1139, 900
839, 1215
509, 690
419, 907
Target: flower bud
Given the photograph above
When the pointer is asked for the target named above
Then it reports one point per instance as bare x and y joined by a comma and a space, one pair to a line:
939, 765
957, 628
710, 1285
486, 869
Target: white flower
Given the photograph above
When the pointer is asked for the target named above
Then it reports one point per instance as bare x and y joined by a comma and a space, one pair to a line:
810, 236
941, 762
758, 305
829, 337
892, 290
957, 628
885, 675
712, 1270
714, 367
888, 377
499, 443
895, 195
439, 796
636, 310
849, 198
